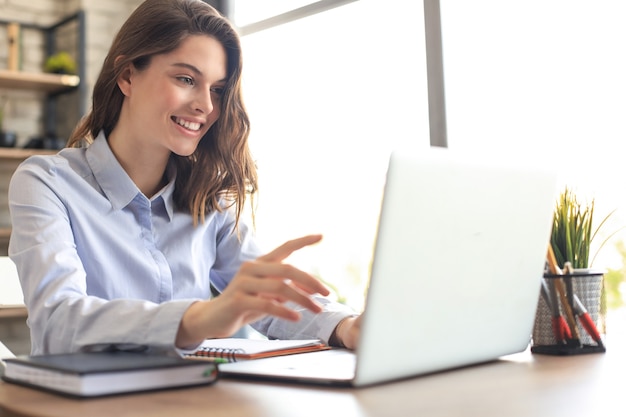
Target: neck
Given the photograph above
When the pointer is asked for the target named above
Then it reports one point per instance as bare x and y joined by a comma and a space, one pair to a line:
146, 169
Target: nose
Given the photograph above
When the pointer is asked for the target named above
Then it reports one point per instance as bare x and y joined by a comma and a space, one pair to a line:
203, 102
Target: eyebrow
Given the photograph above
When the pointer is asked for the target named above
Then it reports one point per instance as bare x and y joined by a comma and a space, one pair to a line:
193, 69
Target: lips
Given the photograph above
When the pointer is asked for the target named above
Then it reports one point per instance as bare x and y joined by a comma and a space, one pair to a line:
189, 125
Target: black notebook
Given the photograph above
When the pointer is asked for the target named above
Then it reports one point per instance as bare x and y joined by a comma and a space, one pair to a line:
106, 373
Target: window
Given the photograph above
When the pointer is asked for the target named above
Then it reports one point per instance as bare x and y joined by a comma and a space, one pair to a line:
329, 96
332, 93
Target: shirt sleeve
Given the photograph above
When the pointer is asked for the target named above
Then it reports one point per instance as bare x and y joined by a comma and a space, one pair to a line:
310, 326
61, 315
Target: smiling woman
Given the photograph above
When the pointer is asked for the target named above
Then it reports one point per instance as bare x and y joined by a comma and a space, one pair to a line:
141, 218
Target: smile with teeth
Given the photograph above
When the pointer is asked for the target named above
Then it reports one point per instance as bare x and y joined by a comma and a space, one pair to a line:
187, 124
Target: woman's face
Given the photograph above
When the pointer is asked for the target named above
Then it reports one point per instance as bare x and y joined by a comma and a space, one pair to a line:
173, 102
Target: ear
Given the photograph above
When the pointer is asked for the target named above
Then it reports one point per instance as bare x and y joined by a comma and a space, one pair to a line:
124, 79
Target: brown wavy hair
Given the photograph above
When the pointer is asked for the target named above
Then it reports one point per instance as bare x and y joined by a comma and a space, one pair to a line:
221, 168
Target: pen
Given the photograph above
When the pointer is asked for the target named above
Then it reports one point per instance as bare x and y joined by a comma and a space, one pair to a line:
569, 313
559, 325
545, 294
558, 283
587, 321
568, 270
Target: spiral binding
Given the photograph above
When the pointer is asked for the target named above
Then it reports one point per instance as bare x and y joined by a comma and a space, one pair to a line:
212, 352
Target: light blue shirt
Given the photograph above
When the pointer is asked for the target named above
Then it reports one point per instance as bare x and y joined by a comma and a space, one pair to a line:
101, 264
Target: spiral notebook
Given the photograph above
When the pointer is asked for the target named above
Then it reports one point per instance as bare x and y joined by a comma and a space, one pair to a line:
236, 349
456, 274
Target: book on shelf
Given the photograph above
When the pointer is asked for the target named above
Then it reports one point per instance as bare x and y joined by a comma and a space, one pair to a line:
14, 33
93, 374
234, 349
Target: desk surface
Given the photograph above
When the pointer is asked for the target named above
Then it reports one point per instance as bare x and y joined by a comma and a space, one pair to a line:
518, 385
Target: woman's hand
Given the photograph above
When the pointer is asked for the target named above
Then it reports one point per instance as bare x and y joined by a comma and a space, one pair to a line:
260, 288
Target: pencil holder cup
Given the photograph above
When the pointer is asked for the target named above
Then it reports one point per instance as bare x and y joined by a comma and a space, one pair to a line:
570, 317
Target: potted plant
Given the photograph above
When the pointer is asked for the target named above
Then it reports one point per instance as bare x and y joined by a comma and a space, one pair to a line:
571, 314
60, 63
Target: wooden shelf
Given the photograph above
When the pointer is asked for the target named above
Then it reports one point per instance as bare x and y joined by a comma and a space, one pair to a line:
49, 83
20, 153
10, 312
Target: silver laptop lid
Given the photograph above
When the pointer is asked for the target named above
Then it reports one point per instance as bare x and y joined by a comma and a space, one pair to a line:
459, 256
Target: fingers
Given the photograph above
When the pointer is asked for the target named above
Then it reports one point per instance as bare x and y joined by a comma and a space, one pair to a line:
261, 288
259, 307
287, 248
282, 291
265, 286
222, 316
282, 271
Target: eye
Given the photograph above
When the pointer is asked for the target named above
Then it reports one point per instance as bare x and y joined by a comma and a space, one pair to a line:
218, 90
186, 80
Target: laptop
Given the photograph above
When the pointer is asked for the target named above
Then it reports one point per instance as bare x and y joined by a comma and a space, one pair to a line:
455, 279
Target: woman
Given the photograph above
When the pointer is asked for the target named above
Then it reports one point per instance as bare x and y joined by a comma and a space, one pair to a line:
119, 238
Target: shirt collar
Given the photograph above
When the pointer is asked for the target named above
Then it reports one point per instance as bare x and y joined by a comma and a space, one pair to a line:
118, 187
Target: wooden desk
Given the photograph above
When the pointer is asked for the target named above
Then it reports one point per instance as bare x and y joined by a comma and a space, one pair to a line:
518, 385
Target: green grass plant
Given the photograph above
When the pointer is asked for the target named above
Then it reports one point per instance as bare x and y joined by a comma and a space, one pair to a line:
572, 230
